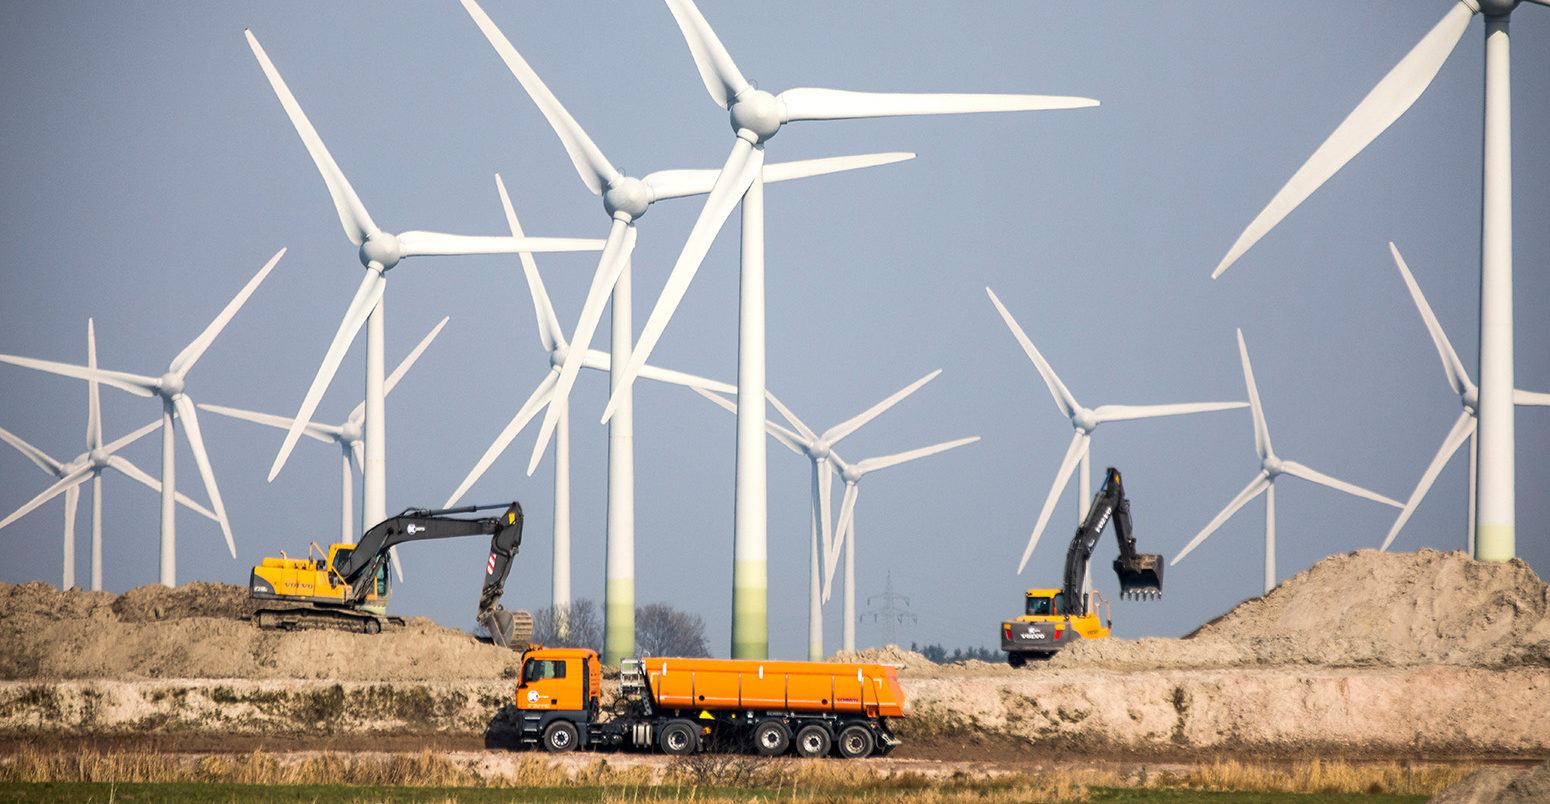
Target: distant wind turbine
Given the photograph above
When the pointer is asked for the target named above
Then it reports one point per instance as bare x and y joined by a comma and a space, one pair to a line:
1271, 467
1495, 519
347, 436
379, 252
1085, 421
845, 532
97, 458
176, 406
756, 116
1464, 426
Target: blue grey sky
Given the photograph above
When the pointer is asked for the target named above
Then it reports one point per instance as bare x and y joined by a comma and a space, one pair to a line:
150, 171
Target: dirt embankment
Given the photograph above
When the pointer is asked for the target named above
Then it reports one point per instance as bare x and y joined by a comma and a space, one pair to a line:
1364, 655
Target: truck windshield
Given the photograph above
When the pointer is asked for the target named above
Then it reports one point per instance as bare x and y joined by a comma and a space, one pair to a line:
1040, 606
539, 669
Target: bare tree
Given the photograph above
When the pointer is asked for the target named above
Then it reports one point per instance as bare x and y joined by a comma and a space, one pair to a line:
661, 630
579, 627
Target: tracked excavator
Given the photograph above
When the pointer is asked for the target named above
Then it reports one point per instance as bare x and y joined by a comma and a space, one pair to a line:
1055, 618
346, 586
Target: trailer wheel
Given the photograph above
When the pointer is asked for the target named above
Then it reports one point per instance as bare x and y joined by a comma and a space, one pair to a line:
560, 737
856, 742
771, 738
679, 738
813, 741
1016, 659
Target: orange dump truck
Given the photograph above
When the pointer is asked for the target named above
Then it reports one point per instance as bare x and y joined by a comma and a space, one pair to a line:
681, 706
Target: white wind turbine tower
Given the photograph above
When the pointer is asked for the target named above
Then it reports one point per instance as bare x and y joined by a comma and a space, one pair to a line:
379, 252
845, 531
347, 436
625, 200
1495, 518
176, 406
1085, 421
97, 458
819, 449
552, 337
1463, 427
1271, 467
756, 116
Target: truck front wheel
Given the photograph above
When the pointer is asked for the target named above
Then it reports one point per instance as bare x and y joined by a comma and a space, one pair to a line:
813, 741
679, 738
856, 742
771, 738
561, 736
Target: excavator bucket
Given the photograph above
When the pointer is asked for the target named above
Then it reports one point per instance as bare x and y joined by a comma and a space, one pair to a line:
1140, 577
508, 629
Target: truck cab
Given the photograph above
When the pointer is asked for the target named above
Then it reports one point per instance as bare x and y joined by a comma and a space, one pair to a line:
1049, 623
557, 696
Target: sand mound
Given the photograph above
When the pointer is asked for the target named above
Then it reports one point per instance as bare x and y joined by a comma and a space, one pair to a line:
197, 631
1500, 786
1365, 608
888, 654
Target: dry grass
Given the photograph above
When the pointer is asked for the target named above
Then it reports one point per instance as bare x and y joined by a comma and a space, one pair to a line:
1319, 776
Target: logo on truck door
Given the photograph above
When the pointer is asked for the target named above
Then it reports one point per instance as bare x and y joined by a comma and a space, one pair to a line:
532, 696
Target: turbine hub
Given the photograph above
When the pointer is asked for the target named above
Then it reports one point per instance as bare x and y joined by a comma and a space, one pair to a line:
850, 475
170, 384
1272, 465
628, 195
98, 457
820, 450
557, 357
758, 112
383, 249
1084, 420
1471, 400
350, 431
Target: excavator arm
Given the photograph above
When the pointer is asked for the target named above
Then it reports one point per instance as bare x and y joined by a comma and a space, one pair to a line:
1140, 574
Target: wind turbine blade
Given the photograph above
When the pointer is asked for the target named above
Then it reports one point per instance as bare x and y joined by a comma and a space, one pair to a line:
1115, 413
824, 491
682, 183
133, 437
841, 534
1080, 443
687, 380
1520, 397
93, 397
358, 459
313, 430
737, 174
133, 383
791, 418
789, 439
1458, 378
1382, 106
366, 298
1261, 430
885, 461
1296, 469
812, 103
722, 78
594, 168
129, 470
1063, 398
549, 331
190, 418
621, 242
414, 354
1463, 426
541, 396
845, 428
353, 217
421, 244
65, 483
1252, 490
33, 454
191, 353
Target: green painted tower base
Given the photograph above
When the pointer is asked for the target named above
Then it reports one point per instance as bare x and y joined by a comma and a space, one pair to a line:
1495, 542
619, 621
750, 610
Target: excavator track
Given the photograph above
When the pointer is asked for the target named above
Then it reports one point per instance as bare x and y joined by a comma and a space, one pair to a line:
295, 618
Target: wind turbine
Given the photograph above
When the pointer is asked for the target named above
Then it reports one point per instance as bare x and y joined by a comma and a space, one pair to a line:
379, 252
347, 436
97, 458
1085, 421
756, 116
176, 405
845, 532
552, 337
819, 448
1463, 427
1271, 467
1495, 518
625, 200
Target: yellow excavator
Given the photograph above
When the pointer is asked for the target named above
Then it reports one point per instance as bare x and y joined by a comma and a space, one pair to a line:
1054, 618
346, 586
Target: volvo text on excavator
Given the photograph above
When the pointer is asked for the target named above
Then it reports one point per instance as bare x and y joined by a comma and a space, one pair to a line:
1054, 618
346, 587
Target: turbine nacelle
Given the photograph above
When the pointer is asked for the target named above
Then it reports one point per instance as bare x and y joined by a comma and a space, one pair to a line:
1494, 8
1272, 465
819, 450
757, 112
1084, 420
629, 196
381, 251
98, 458
170, 385
351, 431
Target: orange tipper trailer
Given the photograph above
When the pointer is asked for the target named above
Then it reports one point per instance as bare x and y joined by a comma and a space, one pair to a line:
681, 706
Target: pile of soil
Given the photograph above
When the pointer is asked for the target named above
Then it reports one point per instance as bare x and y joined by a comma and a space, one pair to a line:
888, 654
1500, 786
201, 630
1366, 608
